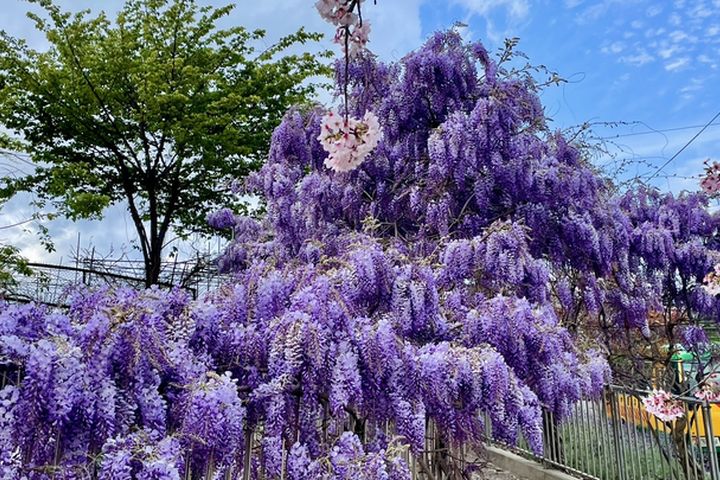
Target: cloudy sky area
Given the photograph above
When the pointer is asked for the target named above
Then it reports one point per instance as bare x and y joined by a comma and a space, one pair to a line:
653, 66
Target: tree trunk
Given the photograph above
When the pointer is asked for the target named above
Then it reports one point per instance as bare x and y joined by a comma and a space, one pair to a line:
153, 264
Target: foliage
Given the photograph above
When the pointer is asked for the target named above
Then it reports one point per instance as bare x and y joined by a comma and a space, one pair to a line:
155, 109
12, 264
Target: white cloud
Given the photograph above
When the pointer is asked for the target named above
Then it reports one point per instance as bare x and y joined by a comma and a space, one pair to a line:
517, 9
677, 64
688, 91
654, 11
678, 36
615, 47
654, 32
668, 51
639, 59
497, 28
700, 10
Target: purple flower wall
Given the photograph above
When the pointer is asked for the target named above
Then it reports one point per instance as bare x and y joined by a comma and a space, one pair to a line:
432, 283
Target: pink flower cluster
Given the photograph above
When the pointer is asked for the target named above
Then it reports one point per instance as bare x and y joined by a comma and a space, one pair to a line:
711, 282
661, 404
350, 26
711, 183
708, 392
348, 142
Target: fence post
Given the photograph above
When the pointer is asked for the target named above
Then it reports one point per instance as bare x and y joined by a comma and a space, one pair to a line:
615, 420
247, 460
710, 441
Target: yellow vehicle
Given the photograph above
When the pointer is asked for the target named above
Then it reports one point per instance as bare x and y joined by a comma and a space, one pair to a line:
630, 409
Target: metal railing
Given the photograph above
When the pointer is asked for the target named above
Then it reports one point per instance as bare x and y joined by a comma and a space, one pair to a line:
609, 438
50, 283
615, 438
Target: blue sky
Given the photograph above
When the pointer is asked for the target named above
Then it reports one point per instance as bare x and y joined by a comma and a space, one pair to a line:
651, 65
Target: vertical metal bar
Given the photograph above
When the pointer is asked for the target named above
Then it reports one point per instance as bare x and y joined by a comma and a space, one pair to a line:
688, 436
580, 446
283, 459
548, 449
632, 437
622, 434
606, 425
248, 454
710, 437
561, 438
698, 443
587, 457
688, 465
608, 443
548, 453
650, 465
591, 435
615, 422
572, 421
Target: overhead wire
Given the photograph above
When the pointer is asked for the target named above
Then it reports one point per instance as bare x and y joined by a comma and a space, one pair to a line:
689, 142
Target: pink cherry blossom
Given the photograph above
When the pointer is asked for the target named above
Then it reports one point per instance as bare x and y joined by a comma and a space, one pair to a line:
348, 142
708, 392
711, 183
359, 38
336, 12
351, 33
711, 282
661, 404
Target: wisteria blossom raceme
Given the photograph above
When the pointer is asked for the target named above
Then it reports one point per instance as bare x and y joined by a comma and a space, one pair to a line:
348, 141
221, 219
663, 405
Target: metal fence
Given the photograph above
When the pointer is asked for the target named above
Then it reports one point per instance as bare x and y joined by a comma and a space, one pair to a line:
615, 438
50, 283
610, 438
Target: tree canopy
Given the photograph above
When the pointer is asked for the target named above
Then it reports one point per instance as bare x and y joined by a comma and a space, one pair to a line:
155, 108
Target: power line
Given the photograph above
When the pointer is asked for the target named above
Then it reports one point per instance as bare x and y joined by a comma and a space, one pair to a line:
717, 115
664, 130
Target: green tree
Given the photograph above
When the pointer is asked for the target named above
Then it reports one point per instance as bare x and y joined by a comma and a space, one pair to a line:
12, 265
155, 109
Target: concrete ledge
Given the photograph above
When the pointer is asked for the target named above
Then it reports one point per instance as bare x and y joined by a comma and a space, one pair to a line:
523, 467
